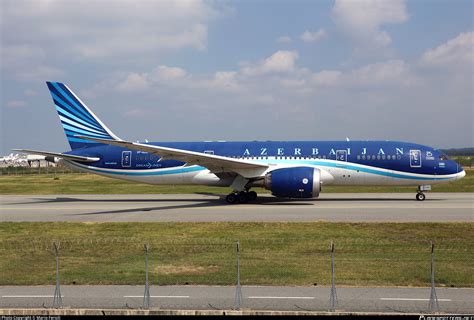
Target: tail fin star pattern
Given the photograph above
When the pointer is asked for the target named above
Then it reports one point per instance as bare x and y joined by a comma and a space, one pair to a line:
76, 118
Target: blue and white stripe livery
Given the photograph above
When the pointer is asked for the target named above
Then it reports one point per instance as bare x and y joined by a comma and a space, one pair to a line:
76, 118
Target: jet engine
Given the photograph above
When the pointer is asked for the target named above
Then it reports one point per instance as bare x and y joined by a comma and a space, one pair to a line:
294, 182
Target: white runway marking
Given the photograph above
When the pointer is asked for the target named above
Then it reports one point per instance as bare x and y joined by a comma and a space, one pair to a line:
172, 297
411, 299
301, 298
30, 296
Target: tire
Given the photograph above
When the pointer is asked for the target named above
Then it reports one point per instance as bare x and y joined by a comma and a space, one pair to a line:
420, 196
252, 195
242, 197
231, 198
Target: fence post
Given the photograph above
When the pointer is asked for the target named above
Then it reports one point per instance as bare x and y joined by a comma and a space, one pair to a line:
433, 305
238, 289
57, 300
333, 296
146, 295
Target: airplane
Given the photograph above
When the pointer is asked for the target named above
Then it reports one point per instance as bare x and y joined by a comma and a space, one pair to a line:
14, 159
8, 158
289, 169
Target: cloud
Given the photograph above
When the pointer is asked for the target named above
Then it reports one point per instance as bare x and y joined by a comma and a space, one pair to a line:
284, 39
39, 73
15, 54
55, 32
361, 21
136, 82
133, 82
309, 36
392, 72
91, 28
30, 93
326, 77
16, 104
455, 52
280, 61
277, 92
224, 80
278, 72
165, 73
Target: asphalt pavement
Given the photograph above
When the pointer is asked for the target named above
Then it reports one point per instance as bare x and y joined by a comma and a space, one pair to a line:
335, 207
350, 299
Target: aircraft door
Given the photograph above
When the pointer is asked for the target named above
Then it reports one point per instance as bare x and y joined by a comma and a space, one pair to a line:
415, 158
341, 155
126, 159
341, 158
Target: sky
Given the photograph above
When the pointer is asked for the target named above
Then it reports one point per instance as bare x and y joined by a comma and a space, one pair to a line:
241, 70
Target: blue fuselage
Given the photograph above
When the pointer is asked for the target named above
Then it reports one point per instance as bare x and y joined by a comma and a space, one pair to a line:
393, 159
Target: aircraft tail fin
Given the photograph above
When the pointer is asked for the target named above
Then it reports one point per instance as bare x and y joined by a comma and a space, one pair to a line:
76, 118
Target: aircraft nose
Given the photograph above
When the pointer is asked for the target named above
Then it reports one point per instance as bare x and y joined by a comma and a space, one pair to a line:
460, 175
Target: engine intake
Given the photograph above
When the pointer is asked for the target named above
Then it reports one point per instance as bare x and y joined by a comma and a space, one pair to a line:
295, 182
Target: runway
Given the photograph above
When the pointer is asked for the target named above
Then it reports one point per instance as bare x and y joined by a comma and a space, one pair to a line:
368, 299
335, 207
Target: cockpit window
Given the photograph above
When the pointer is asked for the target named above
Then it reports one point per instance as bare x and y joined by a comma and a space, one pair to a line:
443, 156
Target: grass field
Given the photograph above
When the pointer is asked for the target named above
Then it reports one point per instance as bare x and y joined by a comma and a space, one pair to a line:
389, 254
74, 183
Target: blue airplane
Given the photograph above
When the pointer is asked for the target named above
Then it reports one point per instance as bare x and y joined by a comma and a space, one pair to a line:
289, 169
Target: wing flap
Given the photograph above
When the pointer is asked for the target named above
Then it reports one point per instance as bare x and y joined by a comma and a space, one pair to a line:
59, 155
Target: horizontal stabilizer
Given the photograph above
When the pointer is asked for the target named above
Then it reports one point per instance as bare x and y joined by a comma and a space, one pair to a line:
59, 155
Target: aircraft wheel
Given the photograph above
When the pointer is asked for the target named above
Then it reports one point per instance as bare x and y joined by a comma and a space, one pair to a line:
231, 198
420, 196
252, 195
242, 197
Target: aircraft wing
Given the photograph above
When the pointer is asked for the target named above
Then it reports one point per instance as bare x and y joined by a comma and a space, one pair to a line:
59, 155
214, 163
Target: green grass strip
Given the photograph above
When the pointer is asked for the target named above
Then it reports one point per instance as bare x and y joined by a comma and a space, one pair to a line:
367, 254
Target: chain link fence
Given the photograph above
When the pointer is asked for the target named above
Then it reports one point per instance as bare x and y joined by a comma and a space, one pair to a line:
259, 261
11, 170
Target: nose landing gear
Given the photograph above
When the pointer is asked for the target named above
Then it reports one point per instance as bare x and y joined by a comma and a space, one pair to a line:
420, 196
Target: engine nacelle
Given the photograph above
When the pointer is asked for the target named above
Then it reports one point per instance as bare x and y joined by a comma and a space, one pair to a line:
51, 159
295, 182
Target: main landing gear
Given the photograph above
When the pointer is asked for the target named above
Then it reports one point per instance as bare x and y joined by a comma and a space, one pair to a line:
241, 197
